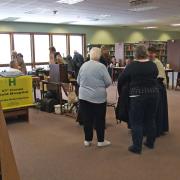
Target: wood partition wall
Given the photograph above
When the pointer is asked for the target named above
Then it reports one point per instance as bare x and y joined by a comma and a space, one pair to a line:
173, 54
8, 166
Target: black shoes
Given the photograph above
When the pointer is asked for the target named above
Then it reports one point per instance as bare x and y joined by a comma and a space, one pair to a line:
150, 146
134, 150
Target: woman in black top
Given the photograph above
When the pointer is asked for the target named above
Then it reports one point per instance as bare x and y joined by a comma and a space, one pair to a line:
141, 75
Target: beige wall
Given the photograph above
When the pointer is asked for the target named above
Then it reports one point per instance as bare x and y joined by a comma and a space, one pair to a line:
95, 35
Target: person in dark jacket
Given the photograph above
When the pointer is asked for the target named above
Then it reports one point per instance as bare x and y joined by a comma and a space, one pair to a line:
78, 60
105, 58
141, 75
70, 63
162, 122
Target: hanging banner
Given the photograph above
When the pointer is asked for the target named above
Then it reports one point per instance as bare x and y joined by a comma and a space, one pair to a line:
16, 92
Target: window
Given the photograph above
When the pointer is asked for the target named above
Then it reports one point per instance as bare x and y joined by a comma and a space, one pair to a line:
41, 44
22, 44
59, 42
76, 44
5, 54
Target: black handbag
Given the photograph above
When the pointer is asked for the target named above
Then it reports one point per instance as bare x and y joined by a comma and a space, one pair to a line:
121, 109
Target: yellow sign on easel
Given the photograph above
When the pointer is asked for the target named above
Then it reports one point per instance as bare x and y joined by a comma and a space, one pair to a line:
16, 92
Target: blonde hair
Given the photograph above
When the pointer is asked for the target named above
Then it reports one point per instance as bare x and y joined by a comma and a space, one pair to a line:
95, 53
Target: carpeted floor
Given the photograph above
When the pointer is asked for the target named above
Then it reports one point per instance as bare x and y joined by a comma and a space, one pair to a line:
50, 147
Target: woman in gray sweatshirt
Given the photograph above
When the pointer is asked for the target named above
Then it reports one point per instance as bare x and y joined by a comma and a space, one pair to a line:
93, 79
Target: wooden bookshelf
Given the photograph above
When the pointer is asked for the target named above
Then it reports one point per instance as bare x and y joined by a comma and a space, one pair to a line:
129, 50
110, 47
161, 47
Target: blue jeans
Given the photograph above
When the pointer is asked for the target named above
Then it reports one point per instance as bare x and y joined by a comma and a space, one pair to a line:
142, 115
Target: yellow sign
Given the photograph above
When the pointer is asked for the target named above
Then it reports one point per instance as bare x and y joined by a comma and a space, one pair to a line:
16, 92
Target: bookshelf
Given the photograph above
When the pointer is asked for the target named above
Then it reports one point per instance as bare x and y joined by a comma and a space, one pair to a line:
124, 51
129, 50
110, 47
161, 47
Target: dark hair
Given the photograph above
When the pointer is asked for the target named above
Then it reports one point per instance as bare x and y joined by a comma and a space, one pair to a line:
20, 55
52, 48
152, 49
69, 57
56, 54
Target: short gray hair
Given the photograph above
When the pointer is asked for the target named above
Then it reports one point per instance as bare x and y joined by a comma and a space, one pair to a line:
140, 52
95, 53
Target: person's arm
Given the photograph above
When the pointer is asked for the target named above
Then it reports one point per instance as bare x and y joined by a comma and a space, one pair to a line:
106, 77
79, 76
161, 70
74, 60
123, 78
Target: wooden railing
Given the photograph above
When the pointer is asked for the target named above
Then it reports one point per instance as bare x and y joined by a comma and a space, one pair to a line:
8, 166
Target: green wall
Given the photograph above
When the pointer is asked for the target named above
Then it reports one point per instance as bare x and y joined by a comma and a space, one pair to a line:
94, 34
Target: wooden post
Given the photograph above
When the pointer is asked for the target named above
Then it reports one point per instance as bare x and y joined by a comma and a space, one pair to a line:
8, 166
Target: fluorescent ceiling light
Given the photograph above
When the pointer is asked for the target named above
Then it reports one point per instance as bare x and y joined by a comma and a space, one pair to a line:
69, 1
39, 20
147, 20
141, 9
105, 15
175, 25
150, 27
37, 11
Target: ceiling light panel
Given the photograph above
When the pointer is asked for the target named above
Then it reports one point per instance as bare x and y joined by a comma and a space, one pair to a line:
70, 1
147, 20
142, 9
105, 15
150, 27
175, 25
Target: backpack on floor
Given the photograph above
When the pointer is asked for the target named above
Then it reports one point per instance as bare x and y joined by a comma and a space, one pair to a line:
47, 104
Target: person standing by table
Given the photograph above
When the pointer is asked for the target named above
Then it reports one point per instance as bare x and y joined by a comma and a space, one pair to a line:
77, 60
105, 57
21, 64
162, 112
52, 51
93, 79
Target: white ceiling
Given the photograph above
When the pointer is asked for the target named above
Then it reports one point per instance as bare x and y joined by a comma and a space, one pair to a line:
91, 12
